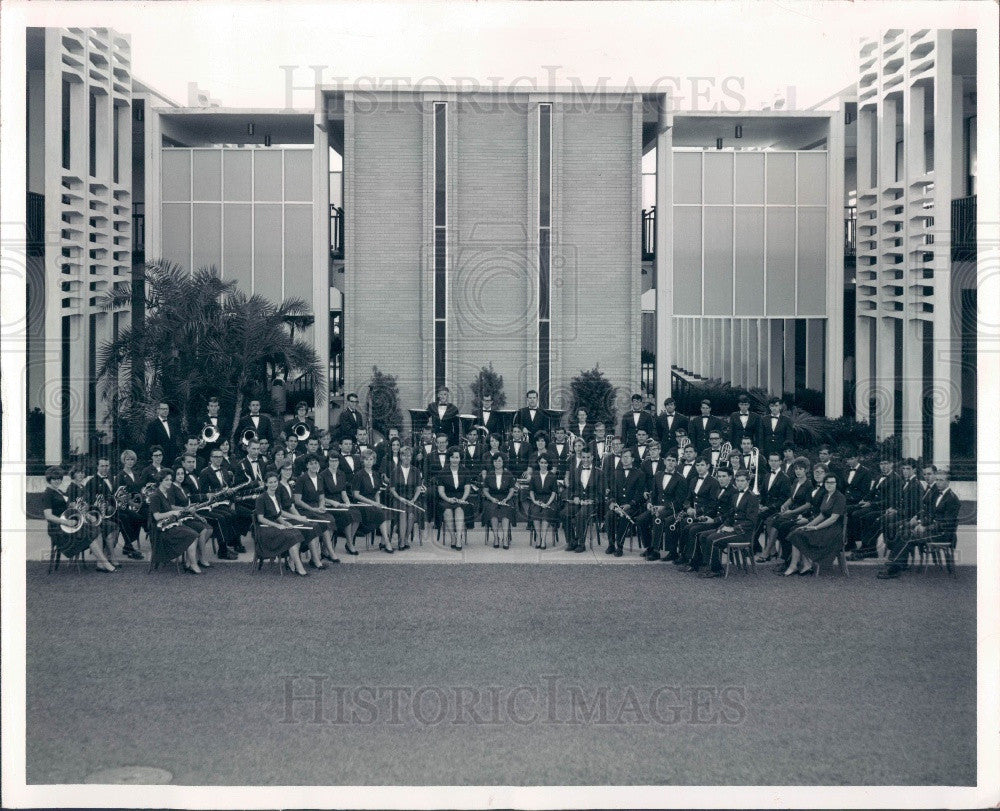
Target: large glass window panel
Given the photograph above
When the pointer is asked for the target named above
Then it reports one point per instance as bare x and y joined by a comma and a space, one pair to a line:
175, 239
749, 177
207, 236
718, 177
298, 252
780, 261
267, 174
687, 177
718, 260
267, 251
812, 261
237, 167
687, 260
207, 172
175, 180
749, 260
812, 178
781, 178
237, 233
298, 174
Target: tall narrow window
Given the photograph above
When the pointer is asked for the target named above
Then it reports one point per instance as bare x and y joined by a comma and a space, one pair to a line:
440, 242
544, 246
65, 124
93, 135
116, 145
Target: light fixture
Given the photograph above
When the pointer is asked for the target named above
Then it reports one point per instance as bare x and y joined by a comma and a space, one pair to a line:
848, 118
267, 140
250, 128
718, 143
739, 130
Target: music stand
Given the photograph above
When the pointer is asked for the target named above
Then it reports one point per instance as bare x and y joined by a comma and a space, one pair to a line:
418, 419
506, 422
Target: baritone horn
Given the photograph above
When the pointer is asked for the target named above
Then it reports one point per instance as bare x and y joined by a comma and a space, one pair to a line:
249, 436
301, 431
209, 434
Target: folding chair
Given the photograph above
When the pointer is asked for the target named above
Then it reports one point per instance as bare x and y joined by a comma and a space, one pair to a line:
153, 533
939, 552
740, 554
55, 555
257, 562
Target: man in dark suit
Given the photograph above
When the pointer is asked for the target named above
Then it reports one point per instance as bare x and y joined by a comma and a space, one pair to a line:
600, 445
865, 523
737, 524
774, 488
857, 481
259, 423
667, 493
776, 428
700, 427
211, 480
667, 424
582, 496
635, 419
910, 495
937, 523
517, 452
251, 467
625, 496
163, 431
652, 464
640, 448
708, 500
531, 418
350, 419
491, 420
213, 419
832, 464
444, 417
687, 464
560, 451
742, 423
581, 426
193, 446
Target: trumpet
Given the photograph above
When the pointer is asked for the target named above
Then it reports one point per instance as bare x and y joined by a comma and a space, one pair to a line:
76, 512
209, 434
248, 436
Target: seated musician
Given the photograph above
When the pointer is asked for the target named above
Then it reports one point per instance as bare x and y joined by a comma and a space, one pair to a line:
406, 486
69, 544
350, 463
391, 456
365, 488
453, 488
251, 467
517, 452
311, 449
936, 523
541, 440
179, 497
472, 454
231, 527
310, 547
625, 501
667, 494
743, 459
773, 490
151, 473
542, 494
436, 465
708, 497
361, 443
799, 516
560, 451
738, 523
310, 497
576, 459
76, 490
383, 449
100, 488
130, 520
789, 510
582, 492
173, 538
714, 451
494, 448
277, 535
499, 496
821, 540
581, 427
344, 519
641, 447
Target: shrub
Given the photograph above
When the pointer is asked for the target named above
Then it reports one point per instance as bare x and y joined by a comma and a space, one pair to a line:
594, 392
488, 382
384, 394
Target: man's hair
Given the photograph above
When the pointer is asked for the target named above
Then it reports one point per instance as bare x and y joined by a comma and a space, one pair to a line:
774, 400
669, 401
530, 392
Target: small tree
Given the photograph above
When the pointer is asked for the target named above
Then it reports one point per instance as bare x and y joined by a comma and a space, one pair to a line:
383, 393
488, 382
594, 392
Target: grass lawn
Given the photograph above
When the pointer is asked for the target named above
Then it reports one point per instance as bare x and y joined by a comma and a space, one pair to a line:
760, 680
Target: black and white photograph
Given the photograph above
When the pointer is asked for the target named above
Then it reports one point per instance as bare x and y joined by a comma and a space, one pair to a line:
623, 378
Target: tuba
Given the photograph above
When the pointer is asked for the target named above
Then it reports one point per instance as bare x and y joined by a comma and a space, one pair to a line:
301, 431
76, 511
209, 434
249, 435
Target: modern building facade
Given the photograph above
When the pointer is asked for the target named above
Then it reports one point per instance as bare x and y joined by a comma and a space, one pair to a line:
436, 232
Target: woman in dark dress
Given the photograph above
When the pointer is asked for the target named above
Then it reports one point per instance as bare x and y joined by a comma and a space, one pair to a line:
796, 503
175, 540
77, 488
309, 550
821, 540
180, 498
541, 449
338, 484
454, 487
542, 495
366, 485
499, 492
227, 456
406, 485
70, 544
800, 516
276, 534
391, 459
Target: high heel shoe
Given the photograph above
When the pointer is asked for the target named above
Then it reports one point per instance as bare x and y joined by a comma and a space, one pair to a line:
303, 573
317, 565
789, 572
384, 548
190, 570
204, 565
350, 549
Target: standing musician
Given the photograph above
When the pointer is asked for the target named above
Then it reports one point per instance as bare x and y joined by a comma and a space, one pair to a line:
623, 491
365, 488
637, 418
213, 419
582, 496
351, 419
641, 447
613, 460
310, 497
163, 431
337, 485
737, 524
742, 423
276, 534
599, 445
488, 418
701, 427
259, 423
406, 486
179, 497
100, 486
499, 494
775, 429
797, 502
560, 451
714, 452
652, 466
442, 416
177, 539
130, 521
704, 493
582, 428
667, 493
668, 423
192, 445
211, 480
301, 415
517, 452
472, 454
69, 544
531, 418
542, 493
453, 490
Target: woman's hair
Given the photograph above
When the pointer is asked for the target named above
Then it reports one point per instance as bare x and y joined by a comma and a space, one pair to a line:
128, 454
802, 462
164, 474
271, 473
54, 474
541, 435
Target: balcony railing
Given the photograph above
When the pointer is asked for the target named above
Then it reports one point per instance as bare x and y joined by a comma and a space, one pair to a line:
850, 230
963, 229
336, 232
649, 234
35, 224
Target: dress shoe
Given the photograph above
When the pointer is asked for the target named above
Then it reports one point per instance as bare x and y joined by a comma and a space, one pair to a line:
204, 564
133, 553
579, 549
239, 547
102, 570
679, 562
330, 558
609, 551
618, 553
856, 556
385, 548
227, 554
669, 556
691, 569
404, 546
316, 565
350, 550
712, 573
189, 570
303, 573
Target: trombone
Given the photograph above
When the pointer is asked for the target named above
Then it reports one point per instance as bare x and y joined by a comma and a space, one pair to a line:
754, 464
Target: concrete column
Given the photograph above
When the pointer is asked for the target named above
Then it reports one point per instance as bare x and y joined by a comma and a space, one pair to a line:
788, 355
774, 347
663, 266
866, 119
321, 252
831, 372
862, 368
887, 144
814, 354
913, 387
51, 366
884, 383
